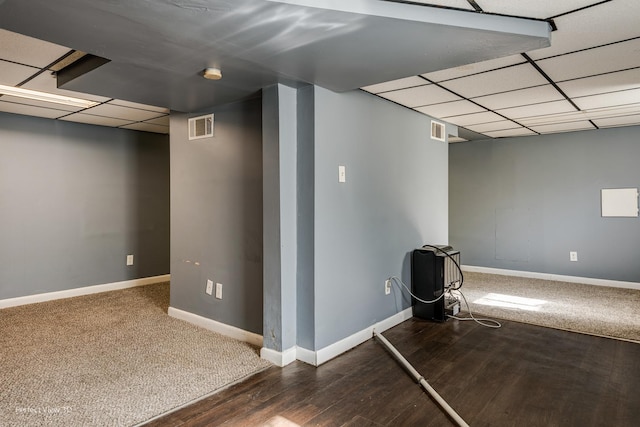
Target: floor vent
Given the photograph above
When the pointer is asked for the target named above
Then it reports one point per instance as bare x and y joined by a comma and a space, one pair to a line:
201, 127
437, 130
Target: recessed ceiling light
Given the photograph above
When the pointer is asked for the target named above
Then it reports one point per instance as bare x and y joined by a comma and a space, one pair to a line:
46, 97
212, 74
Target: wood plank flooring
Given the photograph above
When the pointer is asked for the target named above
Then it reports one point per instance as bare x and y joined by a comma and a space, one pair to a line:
519, 375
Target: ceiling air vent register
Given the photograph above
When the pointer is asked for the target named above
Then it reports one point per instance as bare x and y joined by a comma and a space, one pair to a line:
201, 127
437, 130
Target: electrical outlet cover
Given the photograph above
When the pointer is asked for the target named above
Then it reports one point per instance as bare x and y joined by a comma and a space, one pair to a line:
209, 290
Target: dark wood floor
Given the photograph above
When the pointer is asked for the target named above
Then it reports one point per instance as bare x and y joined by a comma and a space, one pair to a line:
519, 375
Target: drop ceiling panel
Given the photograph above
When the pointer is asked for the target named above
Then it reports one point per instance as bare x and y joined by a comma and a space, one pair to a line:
27, 50
612, 82
396, 84
618, 121
453, 139
125, 113
563, 127
420, 96
29, 110
535, 110
123, 103
494, 126
455, 108
540, 9
520, 97
502, 80
608, 99
510, 132
95, 120
478, 67
147, 127
59, 107
162, 121
45, 82
590, 62
474, 119
603, 24
11, 74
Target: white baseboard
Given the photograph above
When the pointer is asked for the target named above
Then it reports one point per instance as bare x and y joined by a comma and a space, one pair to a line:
215, 326
555, 277
87, 290
317, 358
306, 356
279, 358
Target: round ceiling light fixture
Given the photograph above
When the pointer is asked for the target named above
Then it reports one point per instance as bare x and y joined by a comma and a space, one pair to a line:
212, 74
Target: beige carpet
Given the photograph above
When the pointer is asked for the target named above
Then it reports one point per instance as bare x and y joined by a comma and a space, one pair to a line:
596, 310
110, 359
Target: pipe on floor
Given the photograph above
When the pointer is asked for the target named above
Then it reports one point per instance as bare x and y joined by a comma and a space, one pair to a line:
420, 379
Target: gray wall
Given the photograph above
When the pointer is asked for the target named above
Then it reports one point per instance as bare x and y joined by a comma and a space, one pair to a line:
216, 216
75, 200
395, 199
525, 203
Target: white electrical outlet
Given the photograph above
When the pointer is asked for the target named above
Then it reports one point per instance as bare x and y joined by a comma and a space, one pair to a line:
342, 174
219, 290
387, 287
209, 290
129, 259
573, 256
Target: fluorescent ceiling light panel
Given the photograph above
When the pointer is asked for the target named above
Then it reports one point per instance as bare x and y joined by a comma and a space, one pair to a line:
46, 97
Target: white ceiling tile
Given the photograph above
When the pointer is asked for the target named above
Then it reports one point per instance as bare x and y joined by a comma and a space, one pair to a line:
571, 116
45, 82
95, 120
474, 119
29, 110
493, 126
502, 80
11, 74
139, 106
563, 127
535, 110
454, 139
608, 99
509, 133
27, 50
162, 121
147, 127
612, 82
458, 4
520, 97
125, 113
612, 112
606, 23
593, 61
51, 105
478, 67
420, 96
632, 120
396, 84
541, 9
454, 108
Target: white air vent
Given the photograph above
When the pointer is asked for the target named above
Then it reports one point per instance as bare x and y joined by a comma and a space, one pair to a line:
201, 127
437, 131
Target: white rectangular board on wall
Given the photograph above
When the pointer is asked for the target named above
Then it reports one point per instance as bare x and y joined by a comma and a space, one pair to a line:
619, 202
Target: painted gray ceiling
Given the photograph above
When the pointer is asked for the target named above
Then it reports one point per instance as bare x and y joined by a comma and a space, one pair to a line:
588, 78
158, 49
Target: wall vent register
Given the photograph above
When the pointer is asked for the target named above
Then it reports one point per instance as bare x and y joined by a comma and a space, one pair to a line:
201, 127
437, 130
